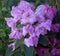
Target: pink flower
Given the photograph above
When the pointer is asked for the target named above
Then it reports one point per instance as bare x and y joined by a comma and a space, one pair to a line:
35, 22
24, 6
11, 22
47, 25
29, 29
40, 30
41, 51
55, 27
31, 41
44, 12
16, 13
25, 31
28, 17
51, 12
43, 27
55, 52
12, 45
40, 12
55, 42
16, 34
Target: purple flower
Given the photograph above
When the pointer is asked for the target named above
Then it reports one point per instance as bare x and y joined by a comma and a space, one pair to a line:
35, 22
55, 52
16, 13
11, 22
12, 45
23, 5
29, 29
51, 12
41, 51
40, 12
28, 17
55, 27
44, 12
31, 41
16, 34
40, 30
43, 27
54, 41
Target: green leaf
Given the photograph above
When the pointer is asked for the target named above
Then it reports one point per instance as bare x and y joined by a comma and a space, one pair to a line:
19, 43
15, 2
17, 52
8, 52
30, 0
10, 3
42, 1
51, 33
2, 48
57, 18
2, 33
29, 51
43, 40
46, 54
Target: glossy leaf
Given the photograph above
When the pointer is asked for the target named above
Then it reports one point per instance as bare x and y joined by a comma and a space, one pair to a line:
17, 52
57, 18
43, 41
29, 51
8, 52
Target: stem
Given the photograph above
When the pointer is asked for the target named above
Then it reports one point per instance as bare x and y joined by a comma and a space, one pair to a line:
56, 4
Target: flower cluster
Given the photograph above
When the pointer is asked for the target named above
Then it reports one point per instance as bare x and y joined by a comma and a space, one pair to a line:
55, 27
35, 22
54, 50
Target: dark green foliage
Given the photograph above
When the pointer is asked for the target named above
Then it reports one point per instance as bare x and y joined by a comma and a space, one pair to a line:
46, 54
29, 51
57, 18
8, 52
43, 40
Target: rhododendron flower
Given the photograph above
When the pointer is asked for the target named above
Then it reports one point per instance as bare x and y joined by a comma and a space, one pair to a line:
31, 41
55, 52
44, 12
16, 34
16, 12
35, 21
29, 29
28, 17
54, 41
40, 12
43, 27
46, 25
56, 49
55, 27
11, 22
40, 30
41, 51
12, 45
24, 6
51, 12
